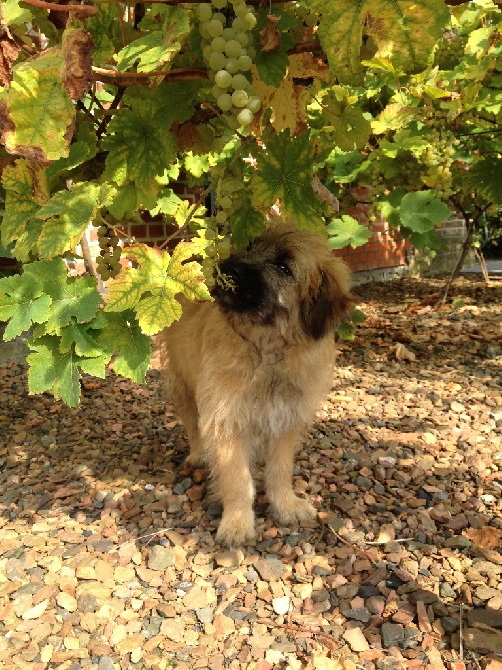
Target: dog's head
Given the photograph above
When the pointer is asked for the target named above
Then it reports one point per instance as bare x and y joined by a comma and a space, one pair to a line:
287, 278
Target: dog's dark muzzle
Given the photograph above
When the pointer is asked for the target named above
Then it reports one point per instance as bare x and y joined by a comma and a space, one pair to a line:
249, 289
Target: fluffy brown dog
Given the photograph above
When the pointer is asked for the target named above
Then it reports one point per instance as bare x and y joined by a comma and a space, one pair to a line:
247, 371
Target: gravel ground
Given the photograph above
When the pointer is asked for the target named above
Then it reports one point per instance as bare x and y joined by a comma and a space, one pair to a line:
107, 550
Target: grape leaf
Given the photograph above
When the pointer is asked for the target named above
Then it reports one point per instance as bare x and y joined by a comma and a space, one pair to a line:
101, 27
26, 188
140, 149
82, 338
40, 110
23, 301
421, 211
287, 100
485, 177
67, 215
151, 289
346, 232
52, 369
347, 124
73, 298
168, 203
13, 14
123, 333
247, 224
157, 48
79, 152
285, 174
404, 31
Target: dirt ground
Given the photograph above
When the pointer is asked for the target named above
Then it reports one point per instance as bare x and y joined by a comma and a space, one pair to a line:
108, 556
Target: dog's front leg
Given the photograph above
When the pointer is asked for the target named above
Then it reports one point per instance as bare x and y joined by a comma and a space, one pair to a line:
234, 486
286, 506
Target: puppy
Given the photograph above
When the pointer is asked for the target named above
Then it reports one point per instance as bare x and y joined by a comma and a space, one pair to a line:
246, 372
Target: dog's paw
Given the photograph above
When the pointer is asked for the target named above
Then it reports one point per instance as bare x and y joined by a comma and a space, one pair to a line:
236, 529
292, 510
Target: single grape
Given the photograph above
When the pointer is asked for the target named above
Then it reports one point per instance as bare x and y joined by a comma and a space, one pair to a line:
216, 61
245, 117
251, 52
232, 122
243, 39
220, 217
210, 234
233, 49
219, 4
221, 18
240, 10
245, 63
102, 231
232, 65
203, 12
225, 102
239, 81
250, 20
203, 30
239, 98
210, 251
239, 25
228, 33
216, 91
253, 104
214, 27
218, 44
223, 79
225, 202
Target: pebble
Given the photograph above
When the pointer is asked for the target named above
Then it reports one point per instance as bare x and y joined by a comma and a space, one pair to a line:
160, 558
281, 605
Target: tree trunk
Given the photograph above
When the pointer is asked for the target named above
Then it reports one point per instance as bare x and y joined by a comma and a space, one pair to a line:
471, 227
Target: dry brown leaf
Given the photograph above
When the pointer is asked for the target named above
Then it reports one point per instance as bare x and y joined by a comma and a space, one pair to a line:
270, 37
9, 51
486, 537
77, 48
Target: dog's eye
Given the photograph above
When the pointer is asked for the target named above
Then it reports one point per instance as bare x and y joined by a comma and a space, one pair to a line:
283, 267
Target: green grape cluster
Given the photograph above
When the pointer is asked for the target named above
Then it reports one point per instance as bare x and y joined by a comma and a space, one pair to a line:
228, 52
437, 160
218, 242
449, 51
108, 261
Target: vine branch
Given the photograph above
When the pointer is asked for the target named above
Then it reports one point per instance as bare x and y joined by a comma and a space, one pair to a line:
54, 7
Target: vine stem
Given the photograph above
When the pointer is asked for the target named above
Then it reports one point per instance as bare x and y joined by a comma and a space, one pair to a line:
54, 7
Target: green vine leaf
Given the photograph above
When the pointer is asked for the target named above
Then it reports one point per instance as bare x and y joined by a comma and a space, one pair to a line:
123, 333
396, 27
41, 114
150, 290
140, 149
422, 211
66, 216
156, 49
285, 174
347, 123
486, 179
346, 232
27, 190
52, 369
72, 298
22, 300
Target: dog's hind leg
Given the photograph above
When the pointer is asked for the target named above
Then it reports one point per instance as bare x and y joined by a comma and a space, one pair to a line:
233, 484
286, 506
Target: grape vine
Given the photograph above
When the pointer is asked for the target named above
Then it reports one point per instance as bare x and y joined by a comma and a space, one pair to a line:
295, 105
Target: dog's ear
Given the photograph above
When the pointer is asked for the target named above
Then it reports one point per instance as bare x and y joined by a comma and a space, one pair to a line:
326, 306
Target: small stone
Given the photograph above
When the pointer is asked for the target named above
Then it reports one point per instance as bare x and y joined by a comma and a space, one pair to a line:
105, 663
450, 625
229, 559
492, 618
223, 625
392, 634
66, 601
87, 603
205, 614
446, 591
270, 569
358, 614
356, 640
375, 604
161, 558
281, 605
174, 629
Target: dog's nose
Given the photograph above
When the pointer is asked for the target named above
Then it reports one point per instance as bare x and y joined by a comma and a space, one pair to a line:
234, 269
